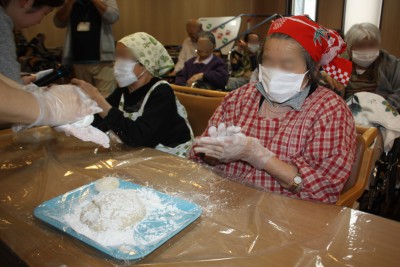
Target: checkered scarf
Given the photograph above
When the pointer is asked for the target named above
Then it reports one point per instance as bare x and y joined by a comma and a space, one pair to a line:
323, 45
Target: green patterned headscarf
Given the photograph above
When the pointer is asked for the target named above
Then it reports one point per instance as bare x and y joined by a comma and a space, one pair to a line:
150, 53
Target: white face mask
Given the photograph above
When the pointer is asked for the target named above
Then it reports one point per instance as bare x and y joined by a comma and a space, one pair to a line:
280, 86
253, 48
123, 72
364, 58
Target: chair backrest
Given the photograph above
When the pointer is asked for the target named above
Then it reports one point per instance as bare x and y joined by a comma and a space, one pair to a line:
198, 91
360, 171
200, 105
355, 169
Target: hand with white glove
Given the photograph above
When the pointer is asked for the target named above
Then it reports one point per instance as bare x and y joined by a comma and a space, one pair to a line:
218, 132
85, 131
235, 147
223, 131
60, 104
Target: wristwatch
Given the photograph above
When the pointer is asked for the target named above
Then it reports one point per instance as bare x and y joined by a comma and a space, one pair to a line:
296, 183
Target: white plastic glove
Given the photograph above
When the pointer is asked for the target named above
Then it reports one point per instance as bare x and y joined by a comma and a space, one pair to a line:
235, 147
60, 104
223, 131
84, 131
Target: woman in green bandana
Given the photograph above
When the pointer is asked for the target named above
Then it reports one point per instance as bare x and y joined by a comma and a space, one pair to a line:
142, 110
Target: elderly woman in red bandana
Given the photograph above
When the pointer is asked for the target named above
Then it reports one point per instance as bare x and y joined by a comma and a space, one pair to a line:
283, 132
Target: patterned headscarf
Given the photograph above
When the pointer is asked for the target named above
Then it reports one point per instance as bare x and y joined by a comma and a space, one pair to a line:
150, 53
323, 45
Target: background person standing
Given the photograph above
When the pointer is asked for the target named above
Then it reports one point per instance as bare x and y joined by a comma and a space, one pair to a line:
89, 44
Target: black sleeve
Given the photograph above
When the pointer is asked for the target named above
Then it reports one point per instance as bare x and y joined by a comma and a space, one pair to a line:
113, 100
115, 97
149, 128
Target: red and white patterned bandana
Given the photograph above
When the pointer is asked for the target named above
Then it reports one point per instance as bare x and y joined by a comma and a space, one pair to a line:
323, 45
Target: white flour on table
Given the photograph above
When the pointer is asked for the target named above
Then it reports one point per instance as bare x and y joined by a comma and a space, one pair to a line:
160, 220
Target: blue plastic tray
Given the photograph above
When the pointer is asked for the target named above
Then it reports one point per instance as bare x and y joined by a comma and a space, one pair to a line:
53, 211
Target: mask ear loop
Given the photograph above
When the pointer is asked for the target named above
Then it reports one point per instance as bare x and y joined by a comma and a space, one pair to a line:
141, 74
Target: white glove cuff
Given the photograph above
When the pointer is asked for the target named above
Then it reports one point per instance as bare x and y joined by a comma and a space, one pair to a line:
38, 121
39, 99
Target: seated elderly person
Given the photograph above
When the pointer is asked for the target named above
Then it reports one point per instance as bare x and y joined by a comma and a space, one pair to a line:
143, 110
189, 45
282, 132
244, 60
207, 70
374, 70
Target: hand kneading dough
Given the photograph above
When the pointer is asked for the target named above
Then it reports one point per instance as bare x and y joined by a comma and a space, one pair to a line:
113, 210
106, 184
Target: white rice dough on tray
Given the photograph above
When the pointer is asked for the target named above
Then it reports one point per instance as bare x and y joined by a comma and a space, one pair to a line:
117, 209
113, 216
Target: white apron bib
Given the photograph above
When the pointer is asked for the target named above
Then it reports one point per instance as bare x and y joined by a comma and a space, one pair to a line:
179, 150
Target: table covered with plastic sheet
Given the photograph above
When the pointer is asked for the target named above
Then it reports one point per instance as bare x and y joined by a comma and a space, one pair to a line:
239, 225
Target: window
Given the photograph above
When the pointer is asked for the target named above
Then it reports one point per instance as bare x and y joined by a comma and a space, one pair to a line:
305, 7
358, 11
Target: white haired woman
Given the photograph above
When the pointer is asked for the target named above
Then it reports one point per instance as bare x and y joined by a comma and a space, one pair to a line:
374, 70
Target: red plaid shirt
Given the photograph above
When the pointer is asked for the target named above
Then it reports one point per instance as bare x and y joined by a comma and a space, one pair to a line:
319, 140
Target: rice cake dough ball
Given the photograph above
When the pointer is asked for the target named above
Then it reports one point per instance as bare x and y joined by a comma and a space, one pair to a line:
113, 210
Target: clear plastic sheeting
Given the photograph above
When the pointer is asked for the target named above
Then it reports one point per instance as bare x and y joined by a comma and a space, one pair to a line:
240, 225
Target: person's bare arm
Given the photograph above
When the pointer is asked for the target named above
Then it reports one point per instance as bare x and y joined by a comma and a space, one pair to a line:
17, 105
61, 18
53, 106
